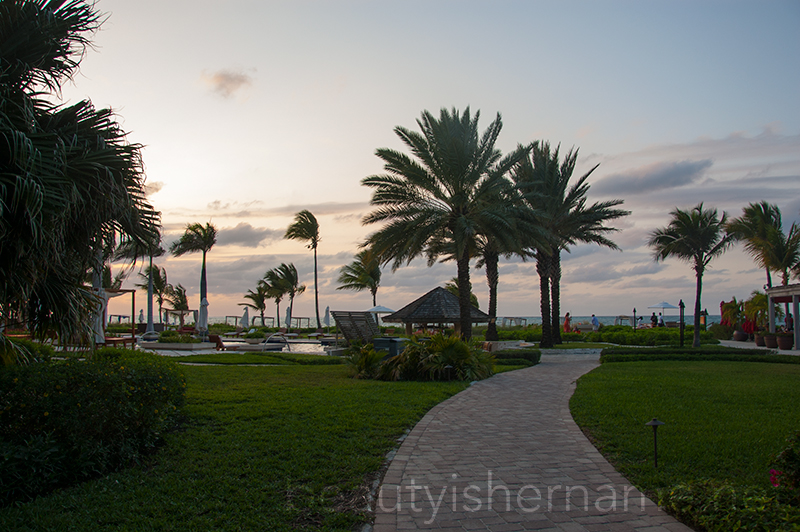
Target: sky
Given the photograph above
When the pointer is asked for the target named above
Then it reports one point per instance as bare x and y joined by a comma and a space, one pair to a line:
250, 111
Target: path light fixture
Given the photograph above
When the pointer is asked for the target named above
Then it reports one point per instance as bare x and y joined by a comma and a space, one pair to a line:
682, 306
634, 318
655, 424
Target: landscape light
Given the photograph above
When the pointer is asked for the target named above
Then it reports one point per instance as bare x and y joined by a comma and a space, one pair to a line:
655, 424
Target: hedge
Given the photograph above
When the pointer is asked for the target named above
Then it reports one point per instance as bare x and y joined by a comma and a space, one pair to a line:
64, 421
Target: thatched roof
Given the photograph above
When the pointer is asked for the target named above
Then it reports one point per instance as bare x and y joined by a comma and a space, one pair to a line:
437, 306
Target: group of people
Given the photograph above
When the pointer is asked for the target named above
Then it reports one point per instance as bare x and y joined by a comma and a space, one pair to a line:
657, 321
568, 324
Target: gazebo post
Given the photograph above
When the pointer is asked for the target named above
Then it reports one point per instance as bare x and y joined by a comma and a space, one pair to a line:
409, 328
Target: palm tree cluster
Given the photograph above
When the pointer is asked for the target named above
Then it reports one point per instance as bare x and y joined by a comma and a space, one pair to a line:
70, 183
276, 284
456, 197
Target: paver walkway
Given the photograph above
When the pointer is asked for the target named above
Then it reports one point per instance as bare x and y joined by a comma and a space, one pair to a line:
505, 455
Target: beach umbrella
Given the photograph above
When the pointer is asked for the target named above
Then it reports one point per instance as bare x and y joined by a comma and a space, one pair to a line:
288, 318
246, 318
327, 319
202, 320
380, 309
663, 306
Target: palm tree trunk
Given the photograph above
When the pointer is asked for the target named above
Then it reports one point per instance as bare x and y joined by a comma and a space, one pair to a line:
696, 339
203, 291
278, 313
463, 295
492, 278
291, 305
316, 291
374, 297
543, 270
555, 295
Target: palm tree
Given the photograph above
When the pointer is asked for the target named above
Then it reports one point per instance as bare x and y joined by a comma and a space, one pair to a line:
132, 250
452, 287
439, 201
566, 218
197, 238
276, 293
285, 279
306, 228
753, 227
364, 273
177, 298
160, 286
69, 181
258, 299
696, 236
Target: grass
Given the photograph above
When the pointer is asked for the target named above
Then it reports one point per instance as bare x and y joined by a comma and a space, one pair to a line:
278, 448
259, 358
724, 420
580, 345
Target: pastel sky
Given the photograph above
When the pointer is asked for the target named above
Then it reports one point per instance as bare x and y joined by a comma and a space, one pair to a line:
250, 111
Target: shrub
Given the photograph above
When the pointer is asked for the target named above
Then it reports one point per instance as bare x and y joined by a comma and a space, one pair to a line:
722, 507
363, 361
65, 421
439, 358
720, 332
786, 470
703, 353
174, 337
23, 351
514, 362
533, 356
256, 334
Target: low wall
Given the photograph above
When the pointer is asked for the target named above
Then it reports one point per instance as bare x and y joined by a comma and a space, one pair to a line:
497, 346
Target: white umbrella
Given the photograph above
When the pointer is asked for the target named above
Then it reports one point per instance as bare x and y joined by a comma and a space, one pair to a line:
246, 318
380, 309
327, 319
202, 320
288, 320
663, 305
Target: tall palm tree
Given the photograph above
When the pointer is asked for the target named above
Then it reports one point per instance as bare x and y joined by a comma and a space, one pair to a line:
306, 228
274, 292
197, 238
160, 286
754, 227
440, 199
69, 181
258, 299
285, 279
364, 273
696, 236
567, 219
133, 250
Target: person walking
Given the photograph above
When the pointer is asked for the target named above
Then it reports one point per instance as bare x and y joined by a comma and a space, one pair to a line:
595, 323
567, 323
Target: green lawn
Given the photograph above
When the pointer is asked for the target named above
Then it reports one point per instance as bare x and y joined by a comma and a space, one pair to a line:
264, 448
724, 420
259, 358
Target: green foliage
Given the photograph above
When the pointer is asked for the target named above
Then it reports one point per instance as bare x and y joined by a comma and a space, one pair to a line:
363, 361
708, 352
266, 448
786, 470
20, 350
529, 334
720, 332
174, 337
256, 334
64, 421
441, 357
722, 507
533, 356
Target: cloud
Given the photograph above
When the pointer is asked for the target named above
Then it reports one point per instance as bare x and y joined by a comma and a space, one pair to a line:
152, 187
653, 177
246, 235
226, 82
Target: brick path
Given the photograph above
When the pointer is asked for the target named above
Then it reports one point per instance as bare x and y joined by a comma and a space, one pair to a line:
505, 455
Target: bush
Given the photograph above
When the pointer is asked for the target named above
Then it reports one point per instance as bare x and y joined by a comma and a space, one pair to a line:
441, 358
786, 471
363, 361
533, 356
23, 351
722, 507
720, 331
62, 422
515, 362
704, 353
256, 334
174, 337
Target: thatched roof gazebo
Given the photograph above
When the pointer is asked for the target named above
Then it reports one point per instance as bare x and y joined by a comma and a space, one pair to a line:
437, 306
